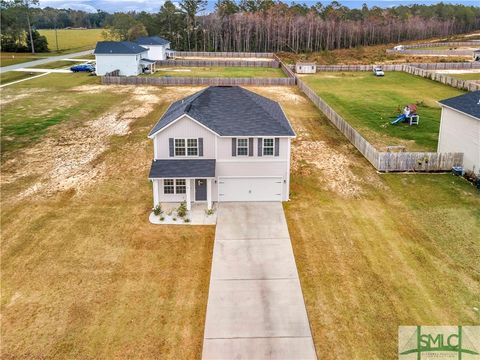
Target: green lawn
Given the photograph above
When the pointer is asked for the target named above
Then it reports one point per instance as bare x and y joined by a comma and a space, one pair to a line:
11, 76
369, 103
69, 41
375, 251
44, 102
236, 72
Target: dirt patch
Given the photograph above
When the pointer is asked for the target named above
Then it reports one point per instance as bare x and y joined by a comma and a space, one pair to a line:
18, 95
335, 166
280, 93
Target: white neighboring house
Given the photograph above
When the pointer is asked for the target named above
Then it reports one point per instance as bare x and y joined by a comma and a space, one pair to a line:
157, 46
460, 128
305, 68
127, 57
223, 143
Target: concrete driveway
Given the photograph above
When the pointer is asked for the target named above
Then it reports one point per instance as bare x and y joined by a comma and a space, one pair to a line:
255, 305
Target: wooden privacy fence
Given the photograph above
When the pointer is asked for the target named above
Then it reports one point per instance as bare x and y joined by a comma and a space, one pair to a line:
144, 80
384, 161
223, 63
443, 78
286, 69
432, 52
446, 65
472, 43
223, 54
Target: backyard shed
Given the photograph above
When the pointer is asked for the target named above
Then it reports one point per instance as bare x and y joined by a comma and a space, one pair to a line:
305, 68
157, 47
127, 57
460, 128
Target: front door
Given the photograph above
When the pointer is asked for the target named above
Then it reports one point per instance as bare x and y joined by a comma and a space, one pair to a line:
200, 189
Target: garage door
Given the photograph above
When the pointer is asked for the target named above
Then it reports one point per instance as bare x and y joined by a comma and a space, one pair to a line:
250, 189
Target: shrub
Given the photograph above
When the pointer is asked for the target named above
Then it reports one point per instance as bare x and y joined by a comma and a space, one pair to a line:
162, 218
157, 210
209, 211
187, 220
182, 209
174, 219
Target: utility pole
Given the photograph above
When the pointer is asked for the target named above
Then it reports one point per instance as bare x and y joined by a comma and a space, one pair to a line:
26, 2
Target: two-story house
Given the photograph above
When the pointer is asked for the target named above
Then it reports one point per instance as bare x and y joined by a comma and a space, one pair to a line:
223, 143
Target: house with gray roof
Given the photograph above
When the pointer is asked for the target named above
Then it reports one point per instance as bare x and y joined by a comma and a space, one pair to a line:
460, 128
221, 144
129, 58
157, 46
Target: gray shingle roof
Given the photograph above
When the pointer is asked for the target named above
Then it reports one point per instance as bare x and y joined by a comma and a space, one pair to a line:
230, 111
152, 40
468, 103
184, 168
118, 47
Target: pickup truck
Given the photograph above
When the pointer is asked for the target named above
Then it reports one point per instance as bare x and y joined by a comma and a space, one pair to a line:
378, 71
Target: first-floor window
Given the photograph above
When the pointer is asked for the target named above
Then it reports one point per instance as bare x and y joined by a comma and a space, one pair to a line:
268, 146
242, 147
180, 186
168, 187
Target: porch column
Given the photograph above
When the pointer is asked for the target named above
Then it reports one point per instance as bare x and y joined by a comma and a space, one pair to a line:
209, 194
189, 200
156, 192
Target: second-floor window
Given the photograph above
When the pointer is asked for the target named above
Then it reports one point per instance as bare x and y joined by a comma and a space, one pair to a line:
242, 147
186, 147
268, 145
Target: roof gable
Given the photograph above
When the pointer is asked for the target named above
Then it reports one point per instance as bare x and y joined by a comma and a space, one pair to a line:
468, 103
230, 111
118, 47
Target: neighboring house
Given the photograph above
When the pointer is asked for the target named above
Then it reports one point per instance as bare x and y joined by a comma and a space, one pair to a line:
221, 144
305, 68
127, 57
460, 128
476, 55
399, 48
157, 47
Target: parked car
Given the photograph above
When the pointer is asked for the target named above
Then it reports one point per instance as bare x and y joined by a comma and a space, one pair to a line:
378, 71
83, 68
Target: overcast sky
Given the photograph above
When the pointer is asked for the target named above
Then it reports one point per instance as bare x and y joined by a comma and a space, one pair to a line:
154, 5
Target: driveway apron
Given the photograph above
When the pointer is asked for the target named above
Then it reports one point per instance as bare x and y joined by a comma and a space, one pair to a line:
255, 304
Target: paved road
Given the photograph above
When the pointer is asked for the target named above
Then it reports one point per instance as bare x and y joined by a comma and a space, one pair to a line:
255, 304
43, 61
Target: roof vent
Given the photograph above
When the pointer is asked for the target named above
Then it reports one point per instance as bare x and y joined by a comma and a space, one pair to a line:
189, 106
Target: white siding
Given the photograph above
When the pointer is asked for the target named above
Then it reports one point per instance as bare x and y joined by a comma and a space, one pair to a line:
185, 128
129, 65
156, 52
305, 68
460, 133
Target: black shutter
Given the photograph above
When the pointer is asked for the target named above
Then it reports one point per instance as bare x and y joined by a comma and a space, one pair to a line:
277, 146
250, 147
234, 146
200, 146
260, 147
171, 147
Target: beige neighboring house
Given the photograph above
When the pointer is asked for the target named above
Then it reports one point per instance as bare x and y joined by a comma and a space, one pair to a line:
460, 128
221, 144
305, 68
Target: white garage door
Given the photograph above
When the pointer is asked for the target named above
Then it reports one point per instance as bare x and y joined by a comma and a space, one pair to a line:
250, 189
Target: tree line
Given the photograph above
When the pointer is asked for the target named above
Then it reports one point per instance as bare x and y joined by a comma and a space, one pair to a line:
257, 25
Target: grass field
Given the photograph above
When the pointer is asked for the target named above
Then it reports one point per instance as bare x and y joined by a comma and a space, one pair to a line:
466, 76
369, 104
371, 253
11, 76
69, 41
97, 280
239, 72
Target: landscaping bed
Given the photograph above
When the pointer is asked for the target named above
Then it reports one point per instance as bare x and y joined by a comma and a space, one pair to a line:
370, 103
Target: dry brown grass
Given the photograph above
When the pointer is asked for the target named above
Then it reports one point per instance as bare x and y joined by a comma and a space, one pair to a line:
402, 249
84, 274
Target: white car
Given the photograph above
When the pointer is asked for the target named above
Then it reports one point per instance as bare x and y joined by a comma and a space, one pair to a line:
378, 72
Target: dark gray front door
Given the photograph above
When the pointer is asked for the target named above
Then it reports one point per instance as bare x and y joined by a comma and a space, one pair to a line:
200, 189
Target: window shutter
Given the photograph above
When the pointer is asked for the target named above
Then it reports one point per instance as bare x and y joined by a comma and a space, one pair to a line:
171, 147
277, 146
234, 146
250, 147
200, 146
260, 147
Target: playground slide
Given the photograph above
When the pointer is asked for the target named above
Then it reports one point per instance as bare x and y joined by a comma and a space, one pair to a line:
398, 119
